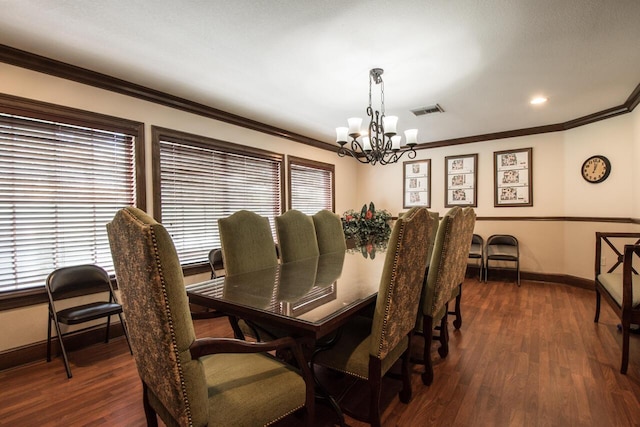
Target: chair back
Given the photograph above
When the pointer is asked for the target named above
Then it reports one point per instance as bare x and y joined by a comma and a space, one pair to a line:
502, 246
77, 280
449, 260
434, 217
247, 243
155, 304
476, 250
401, 281
296, 236
215, 262
329, 232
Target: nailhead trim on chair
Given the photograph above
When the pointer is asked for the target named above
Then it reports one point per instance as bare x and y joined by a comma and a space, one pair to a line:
394, 271
171, 328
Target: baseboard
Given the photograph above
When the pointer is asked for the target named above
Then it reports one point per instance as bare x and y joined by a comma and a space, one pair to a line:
38, 351
507, 274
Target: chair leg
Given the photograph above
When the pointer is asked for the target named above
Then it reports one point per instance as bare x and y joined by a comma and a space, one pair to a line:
486, 271
64, 352
457, 323
375, 382
49, 338
237, 332
405, 393
427, 330
106, 338
149, 413
518, 271
443, 350
597, 306
625, 347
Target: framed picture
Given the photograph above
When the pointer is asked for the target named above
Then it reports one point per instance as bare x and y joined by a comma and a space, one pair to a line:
417, 183
512, 179
461, 176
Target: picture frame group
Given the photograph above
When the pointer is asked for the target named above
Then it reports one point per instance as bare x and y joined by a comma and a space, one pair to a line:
513, 180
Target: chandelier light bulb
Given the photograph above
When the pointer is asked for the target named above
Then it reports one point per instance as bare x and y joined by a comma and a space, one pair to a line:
354, 126
366, 143
412, 137
390, 123
342, 134
395, 142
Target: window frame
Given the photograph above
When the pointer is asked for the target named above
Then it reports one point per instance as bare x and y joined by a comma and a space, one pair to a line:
331, 168
160, 133
58, 113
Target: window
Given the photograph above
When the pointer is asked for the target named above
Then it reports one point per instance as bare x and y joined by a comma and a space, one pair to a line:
198, 180
64, 175
311, 185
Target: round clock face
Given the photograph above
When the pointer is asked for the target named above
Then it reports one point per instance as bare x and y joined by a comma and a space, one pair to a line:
596, 169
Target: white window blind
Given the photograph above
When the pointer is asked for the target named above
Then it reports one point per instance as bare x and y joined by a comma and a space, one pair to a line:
310, 186
59, 185
201, 184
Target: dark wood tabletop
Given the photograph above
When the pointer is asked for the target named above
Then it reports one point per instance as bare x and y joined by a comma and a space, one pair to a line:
311, 297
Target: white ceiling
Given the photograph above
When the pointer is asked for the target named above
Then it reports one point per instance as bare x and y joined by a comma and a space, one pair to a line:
303, 65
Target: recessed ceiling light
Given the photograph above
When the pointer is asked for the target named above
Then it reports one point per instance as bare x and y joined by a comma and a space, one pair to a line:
538, 100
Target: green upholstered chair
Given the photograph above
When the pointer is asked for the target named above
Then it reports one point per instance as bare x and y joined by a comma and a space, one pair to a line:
247, 246
329, 232
446, 273
247, 243
296, 236
188, 381
369, 347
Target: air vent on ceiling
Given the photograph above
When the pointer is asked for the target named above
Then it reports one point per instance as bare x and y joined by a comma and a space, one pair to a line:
428, 110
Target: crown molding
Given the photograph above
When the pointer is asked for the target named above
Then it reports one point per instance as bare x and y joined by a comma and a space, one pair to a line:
24, 59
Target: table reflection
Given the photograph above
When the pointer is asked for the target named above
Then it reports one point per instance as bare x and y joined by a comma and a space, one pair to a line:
309, 290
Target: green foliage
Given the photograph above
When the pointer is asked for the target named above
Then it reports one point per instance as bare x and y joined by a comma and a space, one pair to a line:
368, 225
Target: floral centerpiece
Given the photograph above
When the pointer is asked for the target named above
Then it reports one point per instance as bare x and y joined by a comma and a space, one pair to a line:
368, 228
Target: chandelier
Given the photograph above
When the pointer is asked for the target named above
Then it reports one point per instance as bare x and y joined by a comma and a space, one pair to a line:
380, 144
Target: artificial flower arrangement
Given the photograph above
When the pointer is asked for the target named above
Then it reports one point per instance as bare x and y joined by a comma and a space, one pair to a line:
369, 228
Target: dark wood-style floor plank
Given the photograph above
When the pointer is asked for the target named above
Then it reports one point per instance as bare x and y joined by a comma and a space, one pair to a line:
528, 356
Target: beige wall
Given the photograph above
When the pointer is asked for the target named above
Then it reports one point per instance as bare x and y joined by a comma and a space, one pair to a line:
553, 247
28, 324
547, 246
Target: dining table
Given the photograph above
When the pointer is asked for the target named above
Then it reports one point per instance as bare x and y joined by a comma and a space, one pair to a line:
310, 298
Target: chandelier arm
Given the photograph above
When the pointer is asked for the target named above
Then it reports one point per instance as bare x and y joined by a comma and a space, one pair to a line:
342, 152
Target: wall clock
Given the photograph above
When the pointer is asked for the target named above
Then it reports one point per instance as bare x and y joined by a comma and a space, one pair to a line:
596, 169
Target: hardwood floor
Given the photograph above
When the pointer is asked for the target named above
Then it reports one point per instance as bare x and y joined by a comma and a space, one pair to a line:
528, 356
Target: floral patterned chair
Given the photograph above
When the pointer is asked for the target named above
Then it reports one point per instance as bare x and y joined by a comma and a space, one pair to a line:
188, 381
368, 347
446, 273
